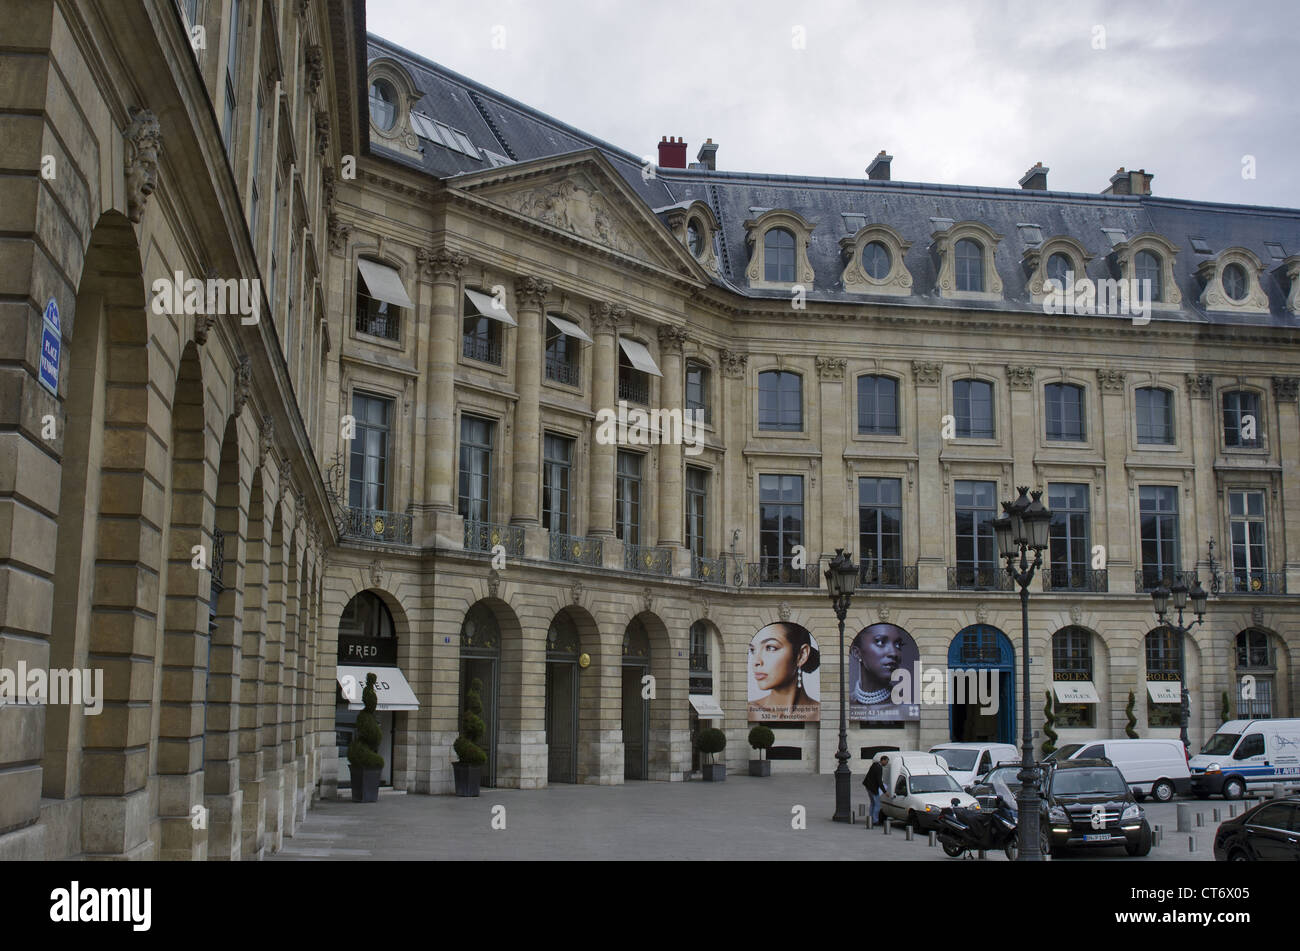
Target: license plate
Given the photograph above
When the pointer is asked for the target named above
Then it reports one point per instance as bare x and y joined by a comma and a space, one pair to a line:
1097, 837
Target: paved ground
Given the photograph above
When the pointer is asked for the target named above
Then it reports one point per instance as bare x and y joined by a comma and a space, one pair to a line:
744, 818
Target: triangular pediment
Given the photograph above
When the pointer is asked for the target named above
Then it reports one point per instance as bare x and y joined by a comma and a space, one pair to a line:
580, 194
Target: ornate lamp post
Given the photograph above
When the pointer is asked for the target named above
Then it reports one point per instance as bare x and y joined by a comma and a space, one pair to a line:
1179, 592
1025, 525
841, 579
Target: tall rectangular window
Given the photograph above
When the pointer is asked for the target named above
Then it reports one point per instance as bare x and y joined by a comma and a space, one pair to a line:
481, 339
780, 518
288, 309
1241, 419
1249, 553
1069, 549
627, 498
697, 506
232, 76
254, 195
880, 530
1065, 413
976, 508
368, 471
1158, 506
878, 405
557, 470
1163, 667
275, 229
972, 406
1155, 416
697, 389
780, 401
474, 494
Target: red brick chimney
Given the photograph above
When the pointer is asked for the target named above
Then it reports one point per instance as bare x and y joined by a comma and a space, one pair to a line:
672, 152
1137, 182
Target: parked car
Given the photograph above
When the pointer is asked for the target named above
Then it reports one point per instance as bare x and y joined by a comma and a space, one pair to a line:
1087, 802
1155, 768
1269, 831
1245, 754
967, 761
917, 787
983, 791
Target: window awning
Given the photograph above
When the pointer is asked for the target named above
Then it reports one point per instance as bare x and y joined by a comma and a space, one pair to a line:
1075, 691
639, 355
1165, 691
706, 706
568, 328
383, 283
487, 307
391, 689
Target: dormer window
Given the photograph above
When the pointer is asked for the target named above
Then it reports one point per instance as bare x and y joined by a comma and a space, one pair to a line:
1059, 266
778, 256
969, 262
694, 226
1232, 282
694, 240
1148, 271
1148, 259
873, 262
778, 251
383, 104
876, 261
965, 256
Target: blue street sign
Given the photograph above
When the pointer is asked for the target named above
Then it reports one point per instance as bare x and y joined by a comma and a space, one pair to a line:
51, 347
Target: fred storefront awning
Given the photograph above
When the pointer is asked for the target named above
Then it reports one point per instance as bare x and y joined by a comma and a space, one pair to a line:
1165, 691
706, 706
639, 356
1075, 691
487, 307
391, 689
383, 283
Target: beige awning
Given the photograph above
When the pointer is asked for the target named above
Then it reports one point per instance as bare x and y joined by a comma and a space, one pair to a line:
383, 283
706, 706
1075, 691
568, 328
1165, 691
640, 356
487, 307
391, 689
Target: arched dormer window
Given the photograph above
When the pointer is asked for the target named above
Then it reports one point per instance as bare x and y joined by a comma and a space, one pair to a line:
1232, 282
968, 261
696, 227
778, 256
778, 244
1060, 259
392, 94
966, 253
873, 262
1148, 259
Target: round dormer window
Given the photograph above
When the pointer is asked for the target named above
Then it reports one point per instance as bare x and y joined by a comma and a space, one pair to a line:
694, 238
876, 260
383, 104
1235, 282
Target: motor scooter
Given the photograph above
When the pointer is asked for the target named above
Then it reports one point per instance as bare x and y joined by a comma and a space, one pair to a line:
972, 830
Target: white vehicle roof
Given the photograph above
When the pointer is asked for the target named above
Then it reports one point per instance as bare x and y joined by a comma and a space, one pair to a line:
965, 746
1240, 726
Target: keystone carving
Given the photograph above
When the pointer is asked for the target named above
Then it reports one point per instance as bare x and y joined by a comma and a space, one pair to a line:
243, 383
376, 574
647, 599
733, 364
1285, 388
981, 613
784, 610
1020, 378
202, 326
831, 368
338, 235
143, 140
1112, 380
531, 291
264, 438
882, 613
494, 582
576, 592
927, 374
315, 68
1200, 385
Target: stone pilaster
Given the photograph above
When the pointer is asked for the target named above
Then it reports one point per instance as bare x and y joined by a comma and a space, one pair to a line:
737, 494
1205, 446
1288, 439
605, 319
1020, 383
1114, 409
444, 267
931, 555
837, 530
670, 451
530, 296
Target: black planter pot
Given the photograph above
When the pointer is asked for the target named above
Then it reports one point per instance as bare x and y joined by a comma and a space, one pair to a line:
715, 774
760, 767
467, 778
365, 784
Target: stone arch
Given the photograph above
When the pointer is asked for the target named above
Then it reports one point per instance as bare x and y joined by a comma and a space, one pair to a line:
587, 753
273, 688
253, 672
1098, 674
504, 699
1274, 669
664, 718
1198, 688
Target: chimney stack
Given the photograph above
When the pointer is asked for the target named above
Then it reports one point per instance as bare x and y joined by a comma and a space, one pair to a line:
672, 152
708, 156
1035, 179
878, 170
1136, 182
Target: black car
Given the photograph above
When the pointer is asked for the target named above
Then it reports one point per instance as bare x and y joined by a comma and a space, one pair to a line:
982, 788
1086, 803
1269, 831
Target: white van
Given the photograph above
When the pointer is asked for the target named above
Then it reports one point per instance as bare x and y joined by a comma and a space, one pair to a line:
1246, 753
969, 761
917, 787
1155, 768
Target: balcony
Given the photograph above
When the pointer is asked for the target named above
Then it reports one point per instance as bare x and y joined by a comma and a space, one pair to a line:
1150, 578
576, 550
648, 560
372, 525
776, 573
562, 371
1255, 582
484, 351
887, 574
485, 536
979, 578
712, 570
634, 390
387, 326
1073, 578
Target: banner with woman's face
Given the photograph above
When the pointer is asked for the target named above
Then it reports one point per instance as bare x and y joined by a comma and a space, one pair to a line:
874, 655
784, 682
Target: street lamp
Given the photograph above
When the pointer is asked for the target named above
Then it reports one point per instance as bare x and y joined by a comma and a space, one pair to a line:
841, 579
1025, 524
1179, 593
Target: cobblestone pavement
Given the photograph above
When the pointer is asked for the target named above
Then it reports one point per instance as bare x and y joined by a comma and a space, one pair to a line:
743, 818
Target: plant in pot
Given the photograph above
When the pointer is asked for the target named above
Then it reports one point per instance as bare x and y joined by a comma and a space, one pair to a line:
363, 751
761, 738
1130, 728
1049, 715
470, 757
713, 741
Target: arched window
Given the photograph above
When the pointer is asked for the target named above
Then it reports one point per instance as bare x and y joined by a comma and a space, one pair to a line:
1147, 271
1256, 669
1235, 282
701, 659
1164, 677
968, 260
383, 104
1072, 664
876, 260
778, 256
878, 405
1059, 267
780, 401
694, 238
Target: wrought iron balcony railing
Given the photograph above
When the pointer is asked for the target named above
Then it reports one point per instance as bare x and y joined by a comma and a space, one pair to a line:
1074, 578
634, 390
887, 574
982, 578
709, 570
1255, 582
577, 550
484, 351
1148, 579
485, 536
376, 526
648, 559
562, 371
774, 572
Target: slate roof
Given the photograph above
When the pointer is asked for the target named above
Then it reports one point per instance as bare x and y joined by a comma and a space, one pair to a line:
516, 132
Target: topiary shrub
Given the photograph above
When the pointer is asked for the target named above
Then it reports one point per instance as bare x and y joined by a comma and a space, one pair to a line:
1049, 744
472, 727
1225, 712
761, 738
363, 751
711, 741
1130, 728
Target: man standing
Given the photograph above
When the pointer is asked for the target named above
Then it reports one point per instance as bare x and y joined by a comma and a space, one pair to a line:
875, 783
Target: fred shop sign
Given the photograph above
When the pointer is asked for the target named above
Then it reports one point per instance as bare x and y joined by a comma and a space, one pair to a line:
51, 345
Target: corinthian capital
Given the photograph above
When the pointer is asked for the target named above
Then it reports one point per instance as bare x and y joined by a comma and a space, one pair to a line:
531, 291
733, 364
440, 264
671, 338
606, 317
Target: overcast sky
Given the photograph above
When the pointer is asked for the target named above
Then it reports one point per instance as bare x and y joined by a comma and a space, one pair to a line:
971, 93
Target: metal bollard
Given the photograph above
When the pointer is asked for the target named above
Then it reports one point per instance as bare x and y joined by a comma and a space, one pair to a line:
1184, 818
981, 855
862, 809
907, 833
1215, 813
885, 824
934, 839
870, 824
1278, 791
1232, 810
1156, 833
1191, 843
1200, 820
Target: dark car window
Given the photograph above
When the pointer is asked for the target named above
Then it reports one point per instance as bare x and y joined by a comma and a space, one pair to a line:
1083, 782
1220, 744
1063, 753
1295, 818
1273, 816
1252, 745
900, 788
985, 762
1096, 751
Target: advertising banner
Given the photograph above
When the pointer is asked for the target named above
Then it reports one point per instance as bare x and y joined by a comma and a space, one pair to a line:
784, 682
875, 654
